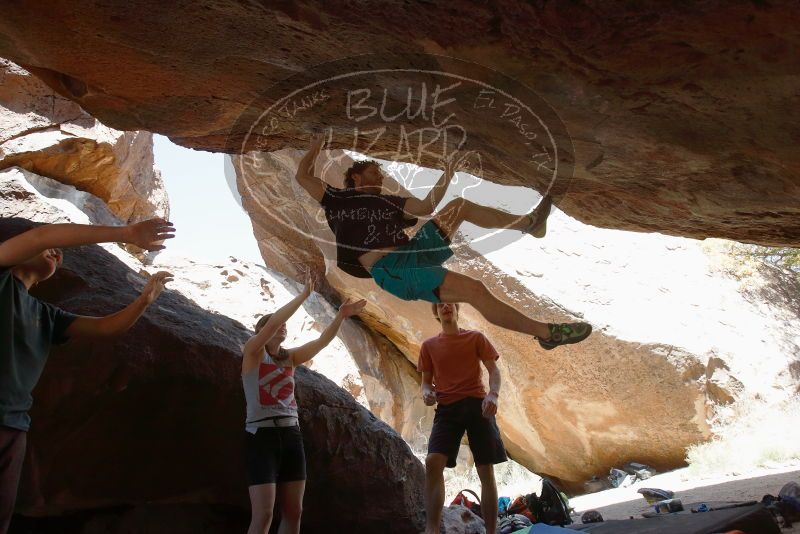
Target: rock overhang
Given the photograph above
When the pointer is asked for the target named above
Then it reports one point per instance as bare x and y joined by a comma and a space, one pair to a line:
681, 119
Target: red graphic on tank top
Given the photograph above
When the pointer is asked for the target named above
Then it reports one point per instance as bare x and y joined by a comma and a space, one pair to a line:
276, 385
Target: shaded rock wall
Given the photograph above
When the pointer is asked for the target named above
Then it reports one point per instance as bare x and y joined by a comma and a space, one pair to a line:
51, 135
155, 417
45, 135
678, 118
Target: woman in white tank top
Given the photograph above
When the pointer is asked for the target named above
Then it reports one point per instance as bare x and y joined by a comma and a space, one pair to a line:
274, 445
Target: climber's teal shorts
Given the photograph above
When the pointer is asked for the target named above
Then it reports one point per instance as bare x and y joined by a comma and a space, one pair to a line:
414, 271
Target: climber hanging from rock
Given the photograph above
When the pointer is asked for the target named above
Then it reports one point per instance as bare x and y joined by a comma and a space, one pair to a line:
368, 225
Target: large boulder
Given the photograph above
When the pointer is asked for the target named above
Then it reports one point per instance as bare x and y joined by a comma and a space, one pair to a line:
146, 430
457, 519
675, 334
359, 359
677, 118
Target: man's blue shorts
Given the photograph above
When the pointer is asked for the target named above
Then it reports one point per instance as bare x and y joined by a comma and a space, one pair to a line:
414, 270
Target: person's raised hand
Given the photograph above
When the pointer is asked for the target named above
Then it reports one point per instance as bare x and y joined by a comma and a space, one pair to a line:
311, 282
348, 308
317, 141
155, 285
150, 234
449, 162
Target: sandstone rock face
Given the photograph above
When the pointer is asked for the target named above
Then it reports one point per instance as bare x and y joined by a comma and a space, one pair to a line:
64, 203
675, 335
52, 136
143, 431
677, 118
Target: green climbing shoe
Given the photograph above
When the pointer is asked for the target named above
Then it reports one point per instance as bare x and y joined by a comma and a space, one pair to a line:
565, 334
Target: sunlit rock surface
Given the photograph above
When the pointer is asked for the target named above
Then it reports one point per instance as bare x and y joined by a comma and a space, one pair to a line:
52, 136
676, 333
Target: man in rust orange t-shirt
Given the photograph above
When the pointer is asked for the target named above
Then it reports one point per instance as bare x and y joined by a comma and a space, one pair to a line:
451, 376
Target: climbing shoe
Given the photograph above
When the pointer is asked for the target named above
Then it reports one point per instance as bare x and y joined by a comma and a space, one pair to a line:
565, 334
537, 225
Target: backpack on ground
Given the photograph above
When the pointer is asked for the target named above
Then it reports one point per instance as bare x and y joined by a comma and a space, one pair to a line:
642, 471
463, 500
550, 507
786, 506
519, 506
502, 506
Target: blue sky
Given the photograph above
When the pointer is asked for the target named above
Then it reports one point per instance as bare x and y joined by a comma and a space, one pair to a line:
211, 225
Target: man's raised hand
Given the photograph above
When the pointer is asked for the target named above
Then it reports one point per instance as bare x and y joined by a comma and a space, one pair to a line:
317, 141
348, 309
155, 285
150, 234
312, 281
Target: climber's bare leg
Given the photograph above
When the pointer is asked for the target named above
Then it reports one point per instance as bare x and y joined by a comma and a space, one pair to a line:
461, 288
460, 210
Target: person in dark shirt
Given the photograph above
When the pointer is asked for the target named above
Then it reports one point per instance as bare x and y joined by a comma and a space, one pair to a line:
369, 226
29, 327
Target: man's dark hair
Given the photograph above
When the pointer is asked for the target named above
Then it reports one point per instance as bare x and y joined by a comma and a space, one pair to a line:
357, 168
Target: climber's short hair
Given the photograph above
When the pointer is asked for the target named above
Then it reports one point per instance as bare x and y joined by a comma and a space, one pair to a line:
357, 168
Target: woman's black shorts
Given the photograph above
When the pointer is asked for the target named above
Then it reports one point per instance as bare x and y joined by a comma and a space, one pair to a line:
449, 425
275, 455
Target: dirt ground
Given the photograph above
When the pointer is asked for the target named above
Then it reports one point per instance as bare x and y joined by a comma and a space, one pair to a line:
623, 503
